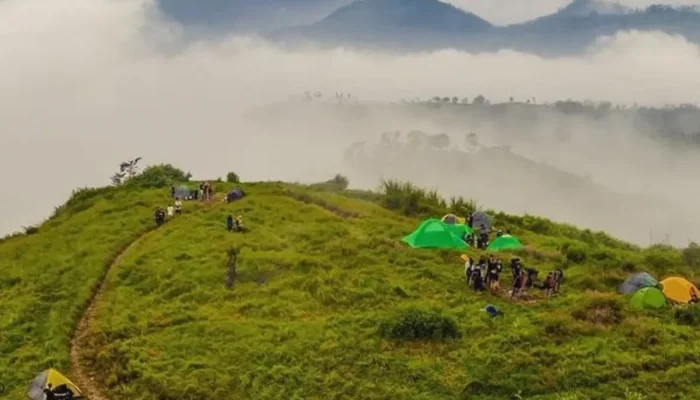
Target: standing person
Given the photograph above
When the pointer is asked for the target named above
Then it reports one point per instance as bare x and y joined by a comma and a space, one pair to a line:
483, 237
201, 190
470, 221
178, 206
468, 266
558, 278
171, 211
518, 284
493, 276
229, 222
210, 191
515, 267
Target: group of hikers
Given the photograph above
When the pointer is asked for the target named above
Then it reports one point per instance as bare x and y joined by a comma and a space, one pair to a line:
60, 392
487, 273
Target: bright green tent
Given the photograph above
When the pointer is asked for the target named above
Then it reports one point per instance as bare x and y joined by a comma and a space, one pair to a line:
505, 242
648, 297
433, 233
459, 230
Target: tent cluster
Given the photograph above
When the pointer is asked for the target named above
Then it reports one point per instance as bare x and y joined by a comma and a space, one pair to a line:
452, 232
648, 293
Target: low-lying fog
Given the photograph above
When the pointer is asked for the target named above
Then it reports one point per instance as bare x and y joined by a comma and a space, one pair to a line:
87, 84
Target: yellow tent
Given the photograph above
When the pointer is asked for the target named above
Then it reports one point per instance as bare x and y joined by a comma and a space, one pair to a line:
452, 219
53, 378
678, 289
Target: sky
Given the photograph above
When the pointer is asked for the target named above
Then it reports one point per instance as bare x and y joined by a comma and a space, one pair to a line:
512, 11
88, 84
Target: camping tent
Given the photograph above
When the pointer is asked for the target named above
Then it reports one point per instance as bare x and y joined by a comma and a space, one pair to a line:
637, 281
433, 233
452, 219
678, 289
505, 242
648, 297
481, 218
234, 194
459, 230
55, 378
182, 192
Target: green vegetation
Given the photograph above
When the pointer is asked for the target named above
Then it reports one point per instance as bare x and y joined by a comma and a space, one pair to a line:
327, 303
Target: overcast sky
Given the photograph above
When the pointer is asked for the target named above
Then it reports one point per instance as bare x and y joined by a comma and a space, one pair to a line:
509, 11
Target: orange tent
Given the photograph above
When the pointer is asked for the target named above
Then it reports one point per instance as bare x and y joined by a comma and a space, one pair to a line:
678, 289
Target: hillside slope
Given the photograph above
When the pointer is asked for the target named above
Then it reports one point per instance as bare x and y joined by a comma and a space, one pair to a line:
319, 275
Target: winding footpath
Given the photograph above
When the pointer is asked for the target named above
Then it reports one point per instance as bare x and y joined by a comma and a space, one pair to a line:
81, 374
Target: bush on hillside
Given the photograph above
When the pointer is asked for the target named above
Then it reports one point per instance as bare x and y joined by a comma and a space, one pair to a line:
415, 324
575, 253
159, 176
661, 257
31, 230
80, 200
688, 316
409, 199
600, 309
691, 255
337, 184
233, 177
460, 206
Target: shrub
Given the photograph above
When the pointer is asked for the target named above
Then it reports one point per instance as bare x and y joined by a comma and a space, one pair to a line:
337, 184
600, 309
691, 255
31, 230
409, 199
688, 316
159, 176
233, 177
576, 253
415, 324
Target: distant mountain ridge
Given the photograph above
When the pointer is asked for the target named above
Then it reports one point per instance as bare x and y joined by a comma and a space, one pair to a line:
433, 24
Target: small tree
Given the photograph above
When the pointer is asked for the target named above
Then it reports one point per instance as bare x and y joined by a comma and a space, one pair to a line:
233, 177
479, 100
127, 170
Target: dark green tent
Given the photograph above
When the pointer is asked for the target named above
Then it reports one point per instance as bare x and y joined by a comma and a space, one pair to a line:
435, 234
505, 242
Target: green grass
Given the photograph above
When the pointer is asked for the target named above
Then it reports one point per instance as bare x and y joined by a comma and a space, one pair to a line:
324, 304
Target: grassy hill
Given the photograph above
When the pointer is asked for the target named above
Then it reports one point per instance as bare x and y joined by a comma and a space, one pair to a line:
324, 304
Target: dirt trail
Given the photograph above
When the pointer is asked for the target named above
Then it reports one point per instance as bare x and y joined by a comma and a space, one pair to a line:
81, 374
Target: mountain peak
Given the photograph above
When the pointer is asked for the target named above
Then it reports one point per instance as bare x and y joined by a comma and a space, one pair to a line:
582, 8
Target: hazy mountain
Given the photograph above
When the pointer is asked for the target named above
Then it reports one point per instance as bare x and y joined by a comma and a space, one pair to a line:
583, 8
246, 15
395, 23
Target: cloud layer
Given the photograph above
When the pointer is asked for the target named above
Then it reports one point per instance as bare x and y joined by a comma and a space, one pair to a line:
89, 83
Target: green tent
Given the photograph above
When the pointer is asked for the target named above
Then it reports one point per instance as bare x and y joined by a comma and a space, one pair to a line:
459, 230
505, 242
648, 297
433, 233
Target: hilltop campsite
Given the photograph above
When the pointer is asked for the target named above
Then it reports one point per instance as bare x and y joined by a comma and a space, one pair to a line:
330, 292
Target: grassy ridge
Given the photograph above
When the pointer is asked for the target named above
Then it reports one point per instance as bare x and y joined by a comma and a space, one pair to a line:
46, 278
320, 273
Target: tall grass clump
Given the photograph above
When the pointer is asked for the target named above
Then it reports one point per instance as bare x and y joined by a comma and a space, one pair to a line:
688, 316
418, 324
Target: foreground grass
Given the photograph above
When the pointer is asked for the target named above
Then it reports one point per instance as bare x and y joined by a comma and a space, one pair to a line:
319, 273
47, 278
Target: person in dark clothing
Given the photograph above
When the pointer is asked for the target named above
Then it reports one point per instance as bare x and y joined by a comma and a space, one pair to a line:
515, 267
490, 264
229, 223
63, 392
48, 392
477, 277
172, 191
492, 276
468, 266
531, 276
548, 284
159, 216
483, 237
518, 283
470, 221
